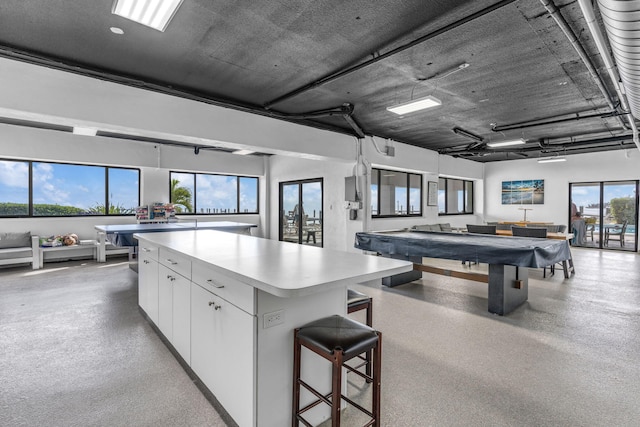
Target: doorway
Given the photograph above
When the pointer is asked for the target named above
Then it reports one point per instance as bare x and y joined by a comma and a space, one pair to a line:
609, 210
301, 212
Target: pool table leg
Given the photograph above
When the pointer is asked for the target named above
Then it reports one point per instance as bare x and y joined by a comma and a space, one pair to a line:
508, 288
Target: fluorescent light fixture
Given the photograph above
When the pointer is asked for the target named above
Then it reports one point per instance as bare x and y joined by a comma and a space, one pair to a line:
243, 152
415, 105
84, 131
506, 143
552, 159
152, 13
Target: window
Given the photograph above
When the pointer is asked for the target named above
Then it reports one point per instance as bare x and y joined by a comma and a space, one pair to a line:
395, 193
455, 196
14, 188
210, 194
57, 189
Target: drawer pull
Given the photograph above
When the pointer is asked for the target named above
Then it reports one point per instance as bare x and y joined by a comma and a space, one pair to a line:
146, 261
172, 262
211, 303
171, 277
214, 284
146, 250
215, 307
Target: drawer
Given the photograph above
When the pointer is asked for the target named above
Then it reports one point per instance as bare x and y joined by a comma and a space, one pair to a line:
175, 261
237, 293
148, 251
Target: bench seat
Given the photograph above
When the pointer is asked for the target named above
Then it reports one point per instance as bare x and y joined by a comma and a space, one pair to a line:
19, 248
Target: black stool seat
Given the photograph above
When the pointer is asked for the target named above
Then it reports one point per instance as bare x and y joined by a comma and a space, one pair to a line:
355, 297
337, 333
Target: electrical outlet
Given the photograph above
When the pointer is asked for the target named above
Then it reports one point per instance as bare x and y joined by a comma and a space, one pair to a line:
273, 318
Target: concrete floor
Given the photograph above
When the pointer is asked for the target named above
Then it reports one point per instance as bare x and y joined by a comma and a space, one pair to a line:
75, 351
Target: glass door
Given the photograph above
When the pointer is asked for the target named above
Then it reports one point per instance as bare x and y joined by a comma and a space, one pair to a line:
604, 214
301, 212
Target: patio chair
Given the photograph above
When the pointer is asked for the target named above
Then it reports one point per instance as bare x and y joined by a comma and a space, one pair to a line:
615, 233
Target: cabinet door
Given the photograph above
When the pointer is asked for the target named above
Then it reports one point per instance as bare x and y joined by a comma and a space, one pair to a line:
204, 358
234, 333
181, 320
148, 287
222, 352
165, 301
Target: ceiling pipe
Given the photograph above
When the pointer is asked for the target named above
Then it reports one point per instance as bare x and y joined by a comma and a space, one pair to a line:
566, 29
547, 147
343, 111
543, 122
601, 43
345, 71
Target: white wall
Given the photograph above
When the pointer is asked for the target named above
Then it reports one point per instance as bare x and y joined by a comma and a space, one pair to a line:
604, 166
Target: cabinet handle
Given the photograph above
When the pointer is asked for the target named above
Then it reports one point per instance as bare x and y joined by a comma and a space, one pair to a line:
217, 307
172, 262
146, 250
215, 285
146, 262
211, 303
171, 278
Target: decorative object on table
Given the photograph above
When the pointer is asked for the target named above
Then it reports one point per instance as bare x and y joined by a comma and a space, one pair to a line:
525, 192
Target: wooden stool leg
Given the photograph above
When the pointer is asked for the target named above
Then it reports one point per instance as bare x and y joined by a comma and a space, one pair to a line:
296, 378
336, 399
377, 376
370, 324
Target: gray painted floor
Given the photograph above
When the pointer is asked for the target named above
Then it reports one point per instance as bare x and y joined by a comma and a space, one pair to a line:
75, 351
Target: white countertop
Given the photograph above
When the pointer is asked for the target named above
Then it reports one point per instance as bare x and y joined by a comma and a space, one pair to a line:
183, 225
279, 268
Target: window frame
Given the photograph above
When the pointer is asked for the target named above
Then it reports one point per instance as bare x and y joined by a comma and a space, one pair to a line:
195, 192
106, 169
465, 197
408, 188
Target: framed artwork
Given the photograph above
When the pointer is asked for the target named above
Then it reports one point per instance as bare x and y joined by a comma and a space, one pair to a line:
525, 192
432, 193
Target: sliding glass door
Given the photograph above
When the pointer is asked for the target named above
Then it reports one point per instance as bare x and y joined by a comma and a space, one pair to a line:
609, 210
301, 212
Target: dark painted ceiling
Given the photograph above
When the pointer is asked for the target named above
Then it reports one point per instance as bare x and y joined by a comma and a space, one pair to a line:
305, 60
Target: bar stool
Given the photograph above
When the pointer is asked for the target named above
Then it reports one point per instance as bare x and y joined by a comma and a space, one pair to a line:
358, 301
337, 339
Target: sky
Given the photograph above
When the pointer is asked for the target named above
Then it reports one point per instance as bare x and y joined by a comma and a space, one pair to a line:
586, 195
67, 185
220, 192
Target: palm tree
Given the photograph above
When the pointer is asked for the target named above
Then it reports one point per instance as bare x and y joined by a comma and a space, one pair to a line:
181, 197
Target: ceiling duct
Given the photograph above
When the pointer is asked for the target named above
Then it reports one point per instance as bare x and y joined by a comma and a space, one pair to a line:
622, 22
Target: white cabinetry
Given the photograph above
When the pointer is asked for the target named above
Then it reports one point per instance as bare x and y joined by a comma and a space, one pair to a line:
223, 352
148, 281
174, 301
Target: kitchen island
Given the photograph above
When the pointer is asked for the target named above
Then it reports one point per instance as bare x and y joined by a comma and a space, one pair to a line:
228, 304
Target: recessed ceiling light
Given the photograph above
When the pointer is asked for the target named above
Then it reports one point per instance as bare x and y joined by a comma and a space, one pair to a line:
152, 13
243, 152
506, 143
415, 105
116, 30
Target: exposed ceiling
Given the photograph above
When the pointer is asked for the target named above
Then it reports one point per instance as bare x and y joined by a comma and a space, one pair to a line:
338, 64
